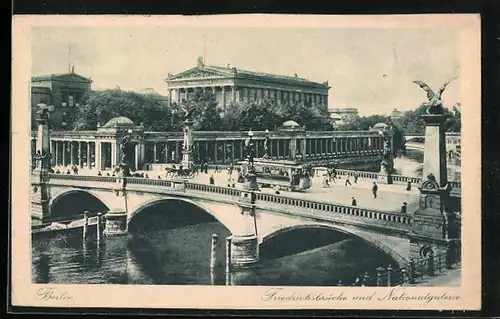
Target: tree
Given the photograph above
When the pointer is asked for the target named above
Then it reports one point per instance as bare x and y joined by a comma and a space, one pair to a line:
101, 106
206, 116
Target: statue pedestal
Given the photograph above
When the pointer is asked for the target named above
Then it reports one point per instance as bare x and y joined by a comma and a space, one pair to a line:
429, 226
187, 145
384, 176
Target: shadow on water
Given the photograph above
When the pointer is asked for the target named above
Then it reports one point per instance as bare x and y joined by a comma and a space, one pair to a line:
297, 241
324, 266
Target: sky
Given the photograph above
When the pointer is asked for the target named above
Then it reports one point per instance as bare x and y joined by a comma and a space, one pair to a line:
368, 69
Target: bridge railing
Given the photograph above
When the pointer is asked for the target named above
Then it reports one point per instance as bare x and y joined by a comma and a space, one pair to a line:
413, 273
354, 211
87, 178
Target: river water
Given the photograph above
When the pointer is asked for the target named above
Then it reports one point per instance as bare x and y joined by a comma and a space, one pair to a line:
171, 252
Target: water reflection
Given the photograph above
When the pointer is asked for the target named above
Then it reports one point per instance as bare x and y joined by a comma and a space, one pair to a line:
181, 256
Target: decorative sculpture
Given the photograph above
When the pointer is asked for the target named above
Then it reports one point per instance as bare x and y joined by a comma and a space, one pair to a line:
267, 143
434, 103
188, 112
249, 149
44, 111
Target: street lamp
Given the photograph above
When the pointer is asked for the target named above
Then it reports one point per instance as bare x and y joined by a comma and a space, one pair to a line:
172, 119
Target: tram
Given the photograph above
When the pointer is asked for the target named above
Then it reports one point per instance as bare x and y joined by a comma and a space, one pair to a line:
288, 175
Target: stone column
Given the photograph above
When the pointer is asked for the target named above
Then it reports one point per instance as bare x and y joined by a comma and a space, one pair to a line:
233, 94
88, 155
178, 95
113, 155
429, 229
293, 147
244, 242
215, 152
232, 150
170, 96
63, 160
39, 195
80, 154
97, 155
154, 152
223, 98
56, 152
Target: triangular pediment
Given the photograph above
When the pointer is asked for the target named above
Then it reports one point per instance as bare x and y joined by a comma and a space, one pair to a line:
196, 73
71, 77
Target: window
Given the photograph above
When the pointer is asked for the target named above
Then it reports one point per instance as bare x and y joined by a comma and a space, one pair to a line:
70, 100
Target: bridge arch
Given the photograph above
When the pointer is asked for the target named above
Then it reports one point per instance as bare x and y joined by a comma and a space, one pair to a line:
74, 201
398, 259
184, 204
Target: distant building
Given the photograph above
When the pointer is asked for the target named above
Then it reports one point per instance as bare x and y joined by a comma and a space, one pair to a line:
230, 84
64, 91
343, 115
396, 114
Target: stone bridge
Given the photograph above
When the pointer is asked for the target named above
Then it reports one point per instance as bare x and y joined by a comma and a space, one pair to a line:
233, 208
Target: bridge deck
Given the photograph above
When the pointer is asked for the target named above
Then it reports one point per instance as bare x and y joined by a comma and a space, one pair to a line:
389, 197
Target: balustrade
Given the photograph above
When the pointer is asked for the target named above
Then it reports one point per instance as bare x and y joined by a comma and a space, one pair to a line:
357, 212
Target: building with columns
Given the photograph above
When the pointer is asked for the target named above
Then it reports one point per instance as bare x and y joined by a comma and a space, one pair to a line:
100, 149
230, 84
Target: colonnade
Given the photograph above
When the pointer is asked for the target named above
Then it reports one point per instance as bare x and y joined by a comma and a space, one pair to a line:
227, 151
226, 94
105, 154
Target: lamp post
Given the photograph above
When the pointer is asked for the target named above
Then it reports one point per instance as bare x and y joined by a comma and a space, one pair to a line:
266, 145
387, 163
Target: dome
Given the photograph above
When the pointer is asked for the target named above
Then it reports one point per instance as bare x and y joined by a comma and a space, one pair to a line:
379, 126
290, 124
119, 121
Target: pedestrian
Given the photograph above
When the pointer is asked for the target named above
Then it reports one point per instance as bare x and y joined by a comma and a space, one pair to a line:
356, 177
212, 181
404, 208
277, 189
353, 202
408, 186
99, 173
206, 168
216, 168
374, 190
347, 181
68, 172
233, 184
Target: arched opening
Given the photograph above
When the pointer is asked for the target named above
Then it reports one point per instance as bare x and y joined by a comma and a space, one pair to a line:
171, 242
74, 203
319, 255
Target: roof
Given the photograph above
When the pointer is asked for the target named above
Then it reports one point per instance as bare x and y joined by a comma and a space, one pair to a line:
290, 123
40, 89
119, 121
218, 71
379, 126
61, 77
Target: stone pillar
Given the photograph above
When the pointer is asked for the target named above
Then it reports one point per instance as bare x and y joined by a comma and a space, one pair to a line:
88, 155
187, 145
80, 153
97, 155
429, 226
223, 98
113, 154
154, 152
244, 242
39, 193
178, 95
293, 147
138, 162
116, 223
71, 153
233, 94
56, 151
169, 96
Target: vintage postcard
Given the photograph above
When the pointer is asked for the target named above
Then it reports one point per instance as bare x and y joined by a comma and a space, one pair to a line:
246, 162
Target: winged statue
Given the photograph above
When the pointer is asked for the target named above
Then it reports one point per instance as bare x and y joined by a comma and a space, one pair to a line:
44, 111
188, 113
434, 103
